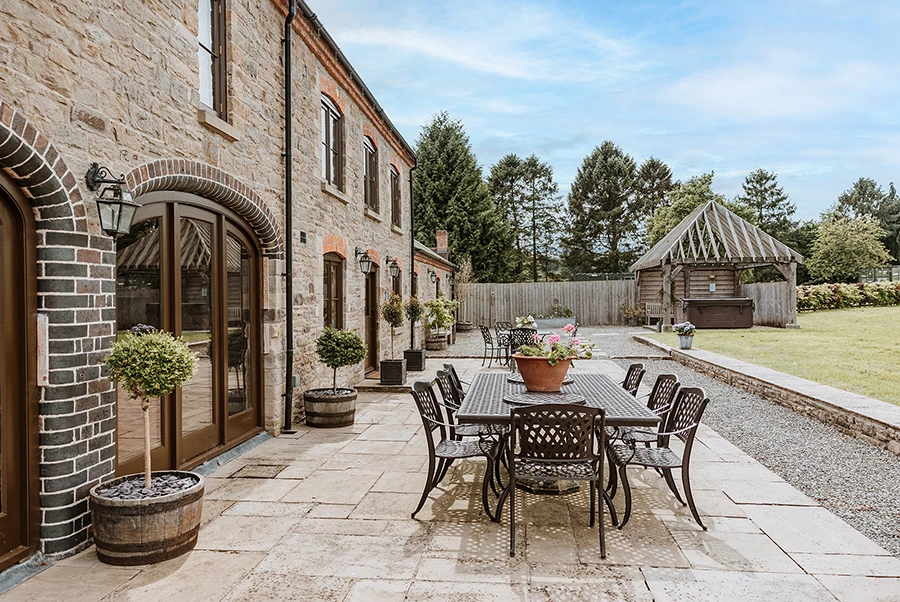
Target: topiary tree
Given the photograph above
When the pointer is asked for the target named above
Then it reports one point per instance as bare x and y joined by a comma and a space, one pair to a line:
440, 312
392, 312
414, 310
150, 363
339, 348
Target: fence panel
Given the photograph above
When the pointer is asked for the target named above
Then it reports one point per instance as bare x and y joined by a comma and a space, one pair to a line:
772, 303
593, 301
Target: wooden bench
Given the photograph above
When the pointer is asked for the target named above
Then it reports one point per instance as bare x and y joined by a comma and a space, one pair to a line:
654, 310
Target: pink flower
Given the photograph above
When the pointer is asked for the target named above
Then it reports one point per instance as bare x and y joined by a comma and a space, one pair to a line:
537, 338
568, 328
553, 339
575, 342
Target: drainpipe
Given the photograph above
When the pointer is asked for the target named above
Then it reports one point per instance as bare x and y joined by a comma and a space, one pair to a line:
412, 249
288, 226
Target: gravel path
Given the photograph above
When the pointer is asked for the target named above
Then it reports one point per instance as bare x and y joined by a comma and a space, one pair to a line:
856, 481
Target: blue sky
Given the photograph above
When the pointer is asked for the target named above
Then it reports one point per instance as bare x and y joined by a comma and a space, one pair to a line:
809, 89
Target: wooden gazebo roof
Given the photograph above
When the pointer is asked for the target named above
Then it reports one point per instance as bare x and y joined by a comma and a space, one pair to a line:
712, 234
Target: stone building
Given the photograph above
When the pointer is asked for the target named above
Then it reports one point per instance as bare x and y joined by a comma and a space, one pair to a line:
185, 99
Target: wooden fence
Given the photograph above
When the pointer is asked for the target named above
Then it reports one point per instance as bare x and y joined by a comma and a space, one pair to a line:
772, 303
594, 302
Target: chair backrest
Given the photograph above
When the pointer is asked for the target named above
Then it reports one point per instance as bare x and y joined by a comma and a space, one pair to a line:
429, 410
486, 334
654, 310
503, 325
454, 378
633, 378
449, 392
686, 413
521, 336
662, 396
556, 432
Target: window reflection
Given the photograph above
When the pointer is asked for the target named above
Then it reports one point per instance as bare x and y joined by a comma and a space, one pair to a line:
238, 265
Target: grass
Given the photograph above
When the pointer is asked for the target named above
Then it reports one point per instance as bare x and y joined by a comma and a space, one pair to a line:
856, 350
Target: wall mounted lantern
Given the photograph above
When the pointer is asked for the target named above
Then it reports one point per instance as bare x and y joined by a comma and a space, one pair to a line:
115, 204
365, 262
433, 275
451, 279
394, 268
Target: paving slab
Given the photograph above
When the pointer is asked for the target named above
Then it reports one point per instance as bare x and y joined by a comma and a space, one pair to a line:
862, 589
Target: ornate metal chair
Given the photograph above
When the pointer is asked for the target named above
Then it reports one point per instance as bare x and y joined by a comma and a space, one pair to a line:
454, 377
517, 338
633, 378
449, 448
502, 329
682, 422
495, 351
553, 442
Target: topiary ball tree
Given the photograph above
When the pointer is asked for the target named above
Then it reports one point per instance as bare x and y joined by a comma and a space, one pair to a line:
414, 310
339, 348
392, 312
150, 363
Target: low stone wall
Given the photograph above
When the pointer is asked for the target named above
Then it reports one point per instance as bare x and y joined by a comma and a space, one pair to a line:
872, 430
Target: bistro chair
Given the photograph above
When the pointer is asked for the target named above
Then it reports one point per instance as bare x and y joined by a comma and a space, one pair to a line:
518, 337
633, 378
682, 422
502, 329
448, 448
454, 377
490, 349
556, 442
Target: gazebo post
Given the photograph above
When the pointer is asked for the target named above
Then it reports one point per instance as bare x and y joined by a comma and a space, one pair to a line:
667, 297
792, 296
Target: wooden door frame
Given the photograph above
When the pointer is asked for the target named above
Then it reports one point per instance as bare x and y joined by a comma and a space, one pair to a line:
373, 305
30, 398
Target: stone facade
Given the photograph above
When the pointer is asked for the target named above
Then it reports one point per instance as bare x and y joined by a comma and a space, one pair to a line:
79, 85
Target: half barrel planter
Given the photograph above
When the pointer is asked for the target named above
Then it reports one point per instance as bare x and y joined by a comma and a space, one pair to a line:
325, 410
145, 531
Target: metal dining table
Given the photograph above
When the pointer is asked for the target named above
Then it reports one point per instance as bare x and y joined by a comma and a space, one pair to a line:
484, 400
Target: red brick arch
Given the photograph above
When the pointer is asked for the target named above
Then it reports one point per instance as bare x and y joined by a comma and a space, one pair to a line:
212, 183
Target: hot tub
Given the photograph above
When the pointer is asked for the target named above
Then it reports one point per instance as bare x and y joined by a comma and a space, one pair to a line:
733, 312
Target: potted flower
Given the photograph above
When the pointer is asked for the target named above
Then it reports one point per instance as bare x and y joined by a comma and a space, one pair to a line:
526, 322
415, 358
333, 407
439, 318
393, 372
154, 516
634, 314
544, 364
685, 332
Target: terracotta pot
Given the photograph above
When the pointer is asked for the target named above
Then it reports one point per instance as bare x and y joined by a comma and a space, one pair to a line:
539, 375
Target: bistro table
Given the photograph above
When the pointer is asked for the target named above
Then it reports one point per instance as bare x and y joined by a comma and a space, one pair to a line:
484, 404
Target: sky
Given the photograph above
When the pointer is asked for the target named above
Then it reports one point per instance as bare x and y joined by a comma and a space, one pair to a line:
809, 89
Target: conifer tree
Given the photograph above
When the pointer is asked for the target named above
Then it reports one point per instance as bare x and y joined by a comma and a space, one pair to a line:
541, 209
507, 186
769, 202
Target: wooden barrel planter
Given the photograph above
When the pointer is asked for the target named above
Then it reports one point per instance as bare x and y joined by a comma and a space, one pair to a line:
436, 342
327, 410
145, 531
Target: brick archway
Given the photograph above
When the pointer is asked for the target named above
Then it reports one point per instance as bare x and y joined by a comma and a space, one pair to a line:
212, 183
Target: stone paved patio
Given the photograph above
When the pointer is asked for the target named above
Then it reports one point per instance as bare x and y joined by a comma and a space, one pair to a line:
324, 515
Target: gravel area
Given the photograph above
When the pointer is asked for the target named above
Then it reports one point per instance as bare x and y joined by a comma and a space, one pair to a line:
854, 480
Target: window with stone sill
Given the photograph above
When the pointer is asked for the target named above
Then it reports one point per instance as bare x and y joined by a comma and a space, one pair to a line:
370, 174
332, 143
211, 54
395, 197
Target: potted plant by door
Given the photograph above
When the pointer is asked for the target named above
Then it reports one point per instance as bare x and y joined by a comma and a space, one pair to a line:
685, 332
154, 516
333, 407
415, 358
544, 364
393, 372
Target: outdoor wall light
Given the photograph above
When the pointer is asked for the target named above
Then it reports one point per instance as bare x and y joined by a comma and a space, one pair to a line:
433, 275
451, 279
394, 268
115, 204
365, 262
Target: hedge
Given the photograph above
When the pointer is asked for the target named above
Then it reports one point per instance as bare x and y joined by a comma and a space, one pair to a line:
838, 296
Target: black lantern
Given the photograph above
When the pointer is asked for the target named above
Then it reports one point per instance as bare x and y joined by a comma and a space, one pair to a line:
432, 275
365, 262
451, 279
115, 204
394, 268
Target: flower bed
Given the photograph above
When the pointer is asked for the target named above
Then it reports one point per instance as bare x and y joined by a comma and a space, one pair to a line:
839, 296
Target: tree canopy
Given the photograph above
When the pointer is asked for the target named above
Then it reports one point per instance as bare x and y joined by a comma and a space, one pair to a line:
770, 204
846, 246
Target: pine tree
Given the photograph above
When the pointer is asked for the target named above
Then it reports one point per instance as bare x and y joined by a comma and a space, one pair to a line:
655, 183
889, 216
507, 186
450, 194
769, 202
541, 209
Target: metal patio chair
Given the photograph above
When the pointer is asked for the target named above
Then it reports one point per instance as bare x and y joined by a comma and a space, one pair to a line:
517, 338
682, 422
555, 442
457, 382
448, 448
633, 378
495, 351
502, 329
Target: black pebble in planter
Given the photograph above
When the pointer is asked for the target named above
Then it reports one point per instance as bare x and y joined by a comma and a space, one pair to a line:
393, 372
415, 359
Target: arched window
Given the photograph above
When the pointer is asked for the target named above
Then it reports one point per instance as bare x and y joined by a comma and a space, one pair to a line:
333, 291
370, 174
332, 143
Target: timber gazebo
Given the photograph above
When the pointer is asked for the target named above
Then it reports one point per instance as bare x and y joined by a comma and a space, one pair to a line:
694, 272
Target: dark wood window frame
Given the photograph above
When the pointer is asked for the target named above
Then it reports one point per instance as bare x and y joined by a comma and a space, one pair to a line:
333, 291
219, 56
332, 124
396, 208
370, 174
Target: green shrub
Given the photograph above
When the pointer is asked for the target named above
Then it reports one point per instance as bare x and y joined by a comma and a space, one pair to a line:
339, 348
392, 311
839, 296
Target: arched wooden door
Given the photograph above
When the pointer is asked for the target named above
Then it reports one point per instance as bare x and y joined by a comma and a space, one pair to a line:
189, 267
18, 487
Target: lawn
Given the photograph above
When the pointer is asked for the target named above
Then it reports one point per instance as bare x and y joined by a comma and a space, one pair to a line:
856, 350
